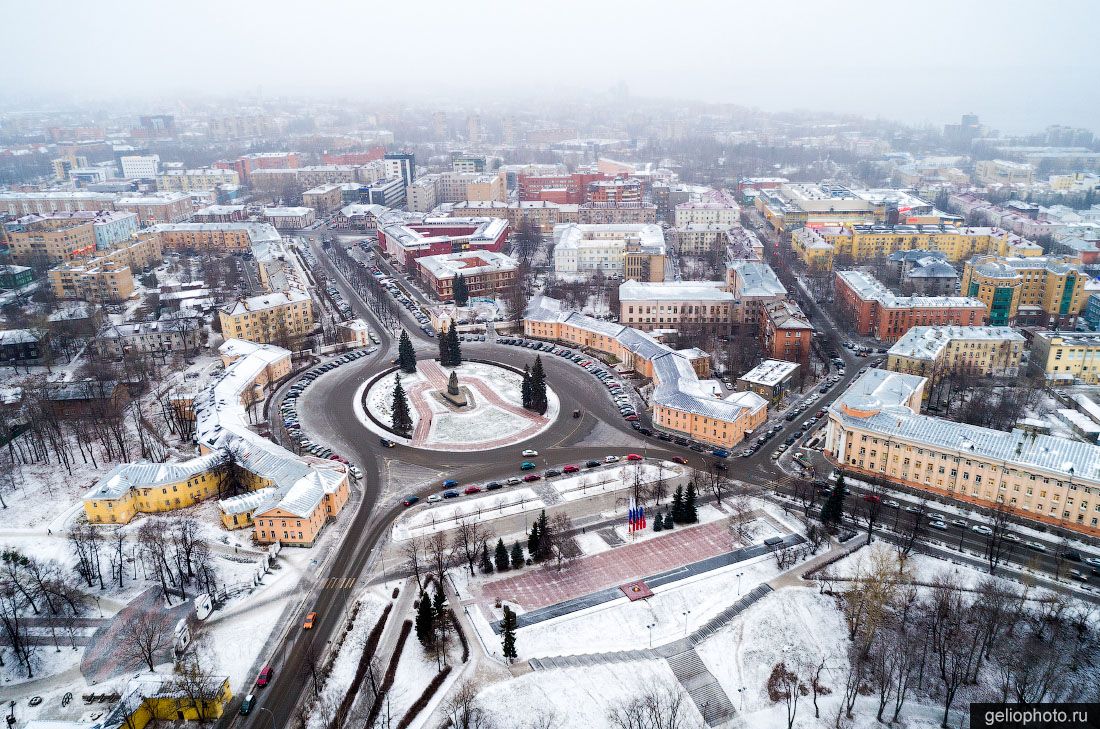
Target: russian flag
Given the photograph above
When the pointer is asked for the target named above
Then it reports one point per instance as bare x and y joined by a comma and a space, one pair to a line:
632, 516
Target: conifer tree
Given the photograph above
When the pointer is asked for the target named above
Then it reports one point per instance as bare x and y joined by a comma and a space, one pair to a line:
538, 387
657, 525
444, 341
668, 522
402, 419
533, 540
517, 556
525, 388
690, 514
678, 505
833, 509
406, 357
486, 563
461, 291
508, 634
425, 617
500, 557
454, 349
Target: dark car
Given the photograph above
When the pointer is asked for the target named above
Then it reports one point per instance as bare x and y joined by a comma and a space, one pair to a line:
450, 494
664, 436
591, 464
679, 459
386, 443
551, 472
531, 477
410, 500
493, 486
697, 448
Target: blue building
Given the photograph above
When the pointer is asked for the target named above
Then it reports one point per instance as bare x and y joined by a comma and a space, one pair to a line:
1092, 312
113, 226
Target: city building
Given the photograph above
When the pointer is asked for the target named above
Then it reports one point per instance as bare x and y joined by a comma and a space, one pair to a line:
290, 218
715, 207
542, 216
939, 351
43, 203
107, 277
612, 214
553, 186
429, 191
786, 332
686, 306
178, 334
753, 284
682, 402
1003, 172
219, 214
795, 205
401, 165
417, 236
207, 178
109, 227
168, 207
280, 317
587, 249
24, 346
324, 198
214, 237
771, 379
925, 273
693, 239
486, 273
359, 217
1092, 312
873, 310
1084, 182
246, 164
817, 247
1066, 357
62, 166
39, 241
15, 277
390, 193
812, 249
140, 166
468, 163
1045, 291
876, 430
617, 191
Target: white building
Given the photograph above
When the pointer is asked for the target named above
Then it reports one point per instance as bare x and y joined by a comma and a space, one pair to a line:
594, 247
140, 167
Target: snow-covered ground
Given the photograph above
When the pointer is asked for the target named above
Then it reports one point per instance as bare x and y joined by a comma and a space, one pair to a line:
380, 397
492, 505
584, 484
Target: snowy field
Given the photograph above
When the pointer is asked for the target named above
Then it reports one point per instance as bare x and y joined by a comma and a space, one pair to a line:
492, 505
584, 484
380, 397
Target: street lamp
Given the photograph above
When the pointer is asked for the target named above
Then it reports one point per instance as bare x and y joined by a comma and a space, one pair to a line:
650, 628
741, 691
685, 614
739, 582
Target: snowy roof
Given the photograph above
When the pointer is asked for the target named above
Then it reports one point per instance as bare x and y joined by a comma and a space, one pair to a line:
266, 301
933, 268
916, 254
757, 279
287, 212
928, 342
127, 476
468, 263
786, 315
870, 289
20, 336
674, 291
256, 231
770, 372
650, 237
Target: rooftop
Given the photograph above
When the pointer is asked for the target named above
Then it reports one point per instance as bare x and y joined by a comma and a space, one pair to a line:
713, 291
770, 372
929, 342
870, 289
467, 263
757, 278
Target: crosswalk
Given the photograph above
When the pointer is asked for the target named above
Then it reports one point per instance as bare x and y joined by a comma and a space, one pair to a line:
338, 583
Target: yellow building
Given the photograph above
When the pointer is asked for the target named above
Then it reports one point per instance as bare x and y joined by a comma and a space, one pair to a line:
866, 242
206, 178
812, 249
1045, 291
875, 429
162, 697
216, 237
98, 282
48, 241
1067, 356
148, 488
680, 402
937, 351
274, 317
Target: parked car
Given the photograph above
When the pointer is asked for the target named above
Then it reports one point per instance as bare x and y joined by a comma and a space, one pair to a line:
471, 490
266, 674
633, 457
450, 494
551, 472
611, 459
450, 483
246, 705
531, 477
410, 500
591, 464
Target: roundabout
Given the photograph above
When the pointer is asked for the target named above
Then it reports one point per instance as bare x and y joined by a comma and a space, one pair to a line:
485, 411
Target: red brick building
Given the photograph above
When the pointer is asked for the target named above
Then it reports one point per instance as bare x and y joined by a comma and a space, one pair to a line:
562, 189
354, 158
786, 333
246, 164
407, 241
876, 312
487, 273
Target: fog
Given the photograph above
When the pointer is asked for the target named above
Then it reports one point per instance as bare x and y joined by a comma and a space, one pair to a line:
1018, 65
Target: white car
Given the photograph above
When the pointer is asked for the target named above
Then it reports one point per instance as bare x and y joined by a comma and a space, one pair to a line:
1011, 538
938, 525
434, 498
1094, 561
1037, 546
529, 452
981, 529
611, 459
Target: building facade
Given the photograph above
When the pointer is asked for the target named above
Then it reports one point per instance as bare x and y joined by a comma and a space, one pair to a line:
873, 310
687, 306
486, 273
1045, 291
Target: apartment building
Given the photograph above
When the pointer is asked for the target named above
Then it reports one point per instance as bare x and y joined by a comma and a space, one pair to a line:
753, 284
794, 205
542, 216
1044, 291
615, 214
42, 203
938, 351
324, 199
873, 310
216, 237
206, 178
140, 166
219, 214
108, 277
1003, 172
110, 227
618, 191
817, 247
682, 403
582, 249
168, 207
246, 164
486, 273
875, 429
294, 218
786, 332
686, 306
427, 192
180, 334
281, 316
38, 241
694, 239
715, 208
1066, 357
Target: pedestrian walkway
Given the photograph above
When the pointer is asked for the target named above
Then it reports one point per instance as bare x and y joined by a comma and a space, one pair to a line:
703, 688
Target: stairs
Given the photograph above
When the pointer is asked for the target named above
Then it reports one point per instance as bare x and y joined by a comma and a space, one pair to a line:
702, 687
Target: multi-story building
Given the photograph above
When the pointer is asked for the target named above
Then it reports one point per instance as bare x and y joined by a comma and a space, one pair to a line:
716, 207
15, 277
612, 214
586, 249
770, 379
108, 277
324, 198
417, 236
109, 227
812, 249
62, 166
422, 195
215, 237
290, 218
1045, 291
219, 214
281, 316
360, 217
168, 207
753, 284
1092, 312
246, 164
618, 191
700, 238
44, 241
875, 429
795, 205
681, 402
179, 334
453, 187
207, 178
686, 306
43, 203
390, 193
542, 216
818, 247
786, 333
553, 186
1066, 357
486, 273
1003, 172
1075, 182
940, 351
401, 165
140, 166
468, 163
875, 311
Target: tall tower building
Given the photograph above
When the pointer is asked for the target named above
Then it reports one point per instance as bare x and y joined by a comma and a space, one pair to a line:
473, 130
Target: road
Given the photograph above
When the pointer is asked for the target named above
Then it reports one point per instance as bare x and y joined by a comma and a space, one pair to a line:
326, 412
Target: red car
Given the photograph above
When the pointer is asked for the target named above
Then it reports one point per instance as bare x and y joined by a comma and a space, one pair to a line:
679, 459
531, 477
631, 418
265, 676
472, 490
633, 457
872, 498
571, 469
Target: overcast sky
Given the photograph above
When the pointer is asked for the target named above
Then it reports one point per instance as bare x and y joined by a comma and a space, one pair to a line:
1019, 65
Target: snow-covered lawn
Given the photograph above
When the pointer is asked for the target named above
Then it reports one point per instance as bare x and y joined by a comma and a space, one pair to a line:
380, 396
492, 505
590, 543
485, 423
579, 698
586, 484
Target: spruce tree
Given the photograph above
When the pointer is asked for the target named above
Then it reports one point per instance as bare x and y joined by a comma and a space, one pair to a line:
425, 617
454, 347
690, 514
678, 505
437, 604
508, 634
501, 556
832, 510
517, 556
668, 522
525, 388
461, 291
533, 540
538, 387
486, 563
406, 357
445, 346
402, 419
657, 525
546, 537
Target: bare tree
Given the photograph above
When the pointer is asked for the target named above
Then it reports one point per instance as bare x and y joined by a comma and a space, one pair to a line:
463, 710
785, 685
415, 551
658, 707
441, 554
562, 544
144, 637
468, 538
